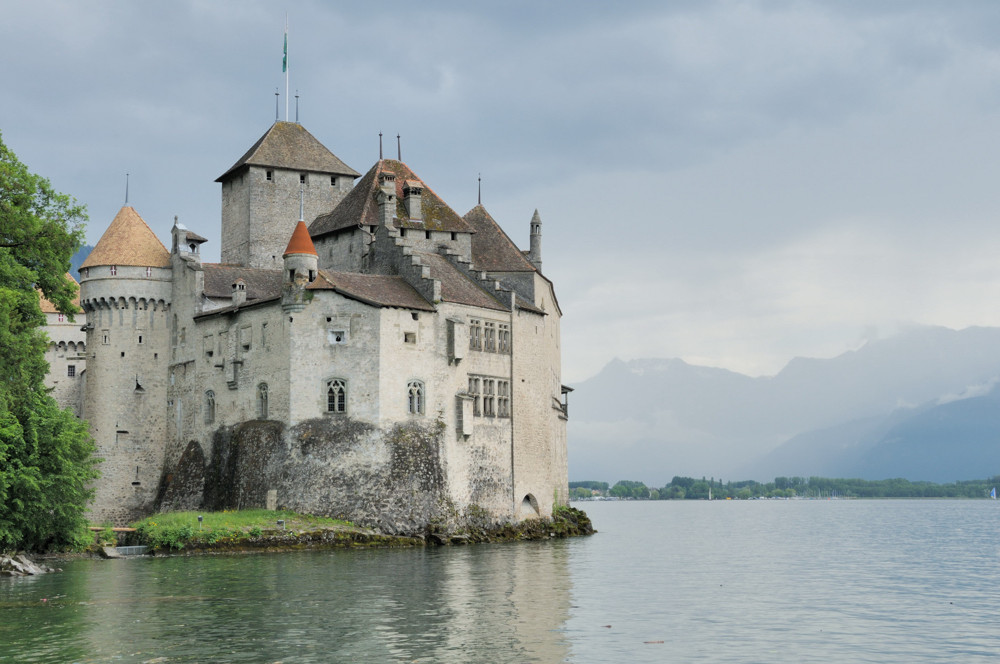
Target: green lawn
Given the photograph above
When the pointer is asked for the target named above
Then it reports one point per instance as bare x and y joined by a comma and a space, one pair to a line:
172, 530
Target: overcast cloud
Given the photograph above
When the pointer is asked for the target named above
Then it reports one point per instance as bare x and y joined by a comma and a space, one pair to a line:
732, 183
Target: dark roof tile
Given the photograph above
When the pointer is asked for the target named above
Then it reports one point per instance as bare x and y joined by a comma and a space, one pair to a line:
360, 207
492, 248
288, 145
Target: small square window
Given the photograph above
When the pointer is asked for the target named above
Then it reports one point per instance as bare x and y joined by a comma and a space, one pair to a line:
337, 337
410, 337
71, 370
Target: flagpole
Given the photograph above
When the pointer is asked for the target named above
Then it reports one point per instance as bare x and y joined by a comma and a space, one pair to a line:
286, 67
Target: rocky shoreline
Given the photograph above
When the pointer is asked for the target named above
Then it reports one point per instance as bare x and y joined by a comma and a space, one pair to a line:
20, 565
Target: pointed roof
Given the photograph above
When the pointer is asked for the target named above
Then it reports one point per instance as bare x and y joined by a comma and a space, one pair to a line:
128, 241
300, 243
288, 145
360, 206
492, 249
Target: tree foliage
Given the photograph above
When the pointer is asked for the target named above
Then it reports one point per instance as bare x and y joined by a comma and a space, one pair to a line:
46, 462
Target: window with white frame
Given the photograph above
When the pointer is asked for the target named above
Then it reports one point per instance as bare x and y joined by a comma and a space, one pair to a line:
503, 398
336, 395
474, 392
503, 341
490, 336
475, 334
415, 397
489, 397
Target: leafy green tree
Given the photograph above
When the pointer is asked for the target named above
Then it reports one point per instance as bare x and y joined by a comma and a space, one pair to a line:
46, 454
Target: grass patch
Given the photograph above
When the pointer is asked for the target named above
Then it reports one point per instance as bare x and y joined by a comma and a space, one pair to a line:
175, 530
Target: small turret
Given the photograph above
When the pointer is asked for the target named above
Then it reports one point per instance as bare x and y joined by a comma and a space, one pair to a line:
535, 248
301, 267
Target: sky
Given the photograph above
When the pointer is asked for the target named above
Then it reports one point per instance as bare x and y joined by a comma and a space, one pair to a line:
730, 183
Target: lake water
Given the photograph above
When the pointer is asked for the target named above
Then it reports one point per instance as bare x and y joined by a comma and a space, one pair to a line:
682, 581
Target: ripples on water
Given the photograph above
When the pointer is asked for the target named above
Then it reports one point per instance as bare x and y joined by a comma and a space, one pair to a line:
758, 581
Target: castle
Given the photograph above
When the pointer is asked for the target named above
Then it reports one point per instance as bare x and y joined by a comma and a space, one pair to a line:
376, 356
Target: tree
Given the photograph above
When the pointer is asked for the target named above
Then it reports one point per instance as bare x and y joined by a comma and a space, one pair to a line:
46, 454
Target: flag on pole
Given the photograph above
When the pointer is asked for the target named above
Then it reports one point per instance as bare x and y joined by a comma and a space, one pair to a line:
284, 57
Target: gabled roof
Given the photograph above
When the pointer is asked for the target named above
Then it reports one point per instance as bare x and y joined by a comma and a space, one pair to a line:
375, 289
492, 248
455, 286
261, 284
49, 308
360, 206
128, 241
300, 243
288, 145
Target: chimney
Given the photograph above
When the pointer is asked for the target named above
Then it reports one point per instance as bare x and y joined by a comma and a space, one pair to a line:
387, 199
412, 193
239, 292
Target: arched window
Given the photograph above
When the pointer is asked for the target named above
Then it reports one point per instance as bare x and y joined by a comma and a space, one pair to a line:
336, 395
415, 397
209, 407
262, 401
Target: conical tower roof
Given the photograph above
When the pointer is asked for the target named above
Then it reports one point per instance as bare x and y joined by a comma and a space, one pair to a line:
300, 243
128, 241
288, 145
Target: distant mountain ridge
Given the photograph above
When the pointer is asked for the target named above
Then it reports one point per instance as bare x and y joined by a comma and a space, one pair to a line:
653, 419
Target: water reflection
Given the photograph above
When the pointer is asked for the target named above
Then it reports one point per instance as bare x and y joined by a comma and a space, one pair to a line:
491, 603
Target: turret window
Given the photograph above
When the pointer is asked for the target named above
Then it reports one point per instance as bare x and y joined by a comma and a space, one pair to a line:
302, 178
114, 270
333, 180
336, 395
269, 176
149, 271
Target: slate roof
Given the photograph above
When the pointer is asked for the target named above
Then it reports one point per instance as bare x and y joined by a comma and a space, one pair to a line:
360, 206
455, 286
261, 284
128, 241
288, 145
375, 289
492, 248
49, 308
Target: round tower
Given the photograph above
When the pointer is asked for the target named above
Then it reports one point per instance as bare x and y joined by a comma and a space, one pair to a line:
125, 286
301, 263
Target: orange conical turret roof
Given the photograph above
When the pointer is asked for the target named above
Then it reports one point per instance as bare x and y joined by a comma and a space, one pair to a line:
300, 243
128, 241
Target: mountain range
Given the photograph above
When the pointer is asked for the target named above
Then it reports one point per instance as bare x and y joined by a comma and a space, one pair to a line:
922, 404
